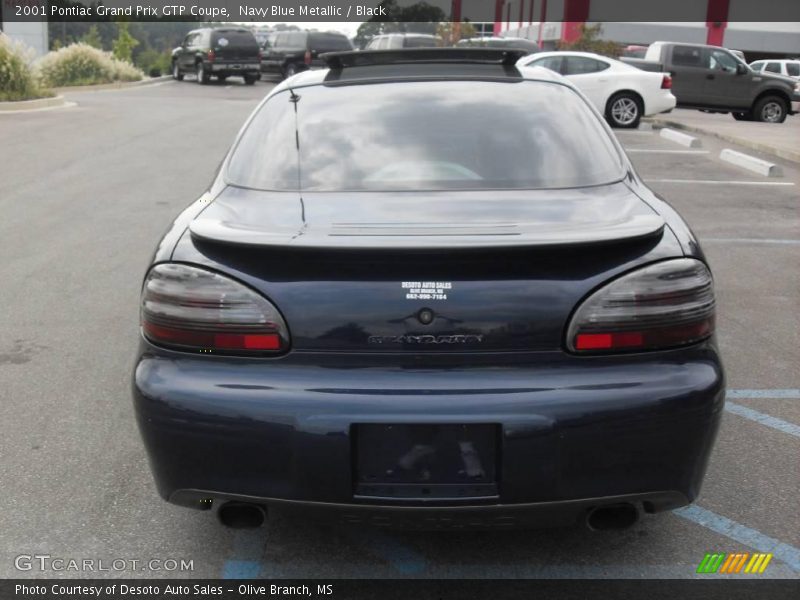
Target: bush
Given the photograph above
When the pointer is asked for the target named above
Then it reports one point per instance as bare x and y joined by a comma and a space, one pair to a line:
153, 62
17, 81
80, 64
590, 41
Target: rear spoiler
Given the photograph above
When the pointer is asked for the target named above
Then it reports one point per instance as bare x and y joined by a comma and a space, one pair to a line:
422, 237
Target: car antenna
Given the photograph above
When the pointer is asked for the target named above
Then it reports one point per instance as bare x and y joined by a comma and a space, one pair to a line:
294, 97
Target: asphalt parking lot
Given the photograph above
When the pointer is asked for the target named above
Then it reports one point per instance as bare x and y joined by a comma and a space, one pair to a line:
85, 194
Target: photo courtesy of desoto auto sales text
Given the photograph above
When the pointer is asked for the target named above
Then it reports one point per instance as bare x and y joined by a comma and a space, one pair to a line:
400, 299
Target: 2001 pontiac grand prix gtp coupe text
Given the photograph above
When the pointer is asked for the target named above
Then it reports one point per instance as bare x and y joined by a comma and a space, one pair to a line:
427, 287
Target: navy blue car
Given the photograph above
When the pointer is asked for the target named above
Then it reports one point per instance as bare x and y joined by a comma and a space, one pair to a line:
427, 288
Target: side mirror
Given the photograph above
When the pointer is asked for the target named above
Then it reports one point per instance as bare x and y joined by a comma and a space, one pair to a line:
741, 69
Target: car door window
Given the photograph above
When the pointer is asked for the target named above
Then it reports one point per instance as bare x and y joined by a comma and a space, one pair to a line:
793, 69
549, 62
756, 66
719, 60
773, 67
580, 65
687, 56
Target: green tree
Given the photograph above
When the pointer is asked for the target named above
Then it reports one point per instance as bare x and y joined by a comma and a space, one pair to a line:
125, 43
92, 38
589, 41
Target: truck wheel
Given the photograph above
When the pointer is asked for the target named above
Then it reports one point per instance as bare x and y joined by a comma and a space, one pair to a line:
624, 110
202, 76
176, 71
249, 79
770, 109
289, 70
743, 116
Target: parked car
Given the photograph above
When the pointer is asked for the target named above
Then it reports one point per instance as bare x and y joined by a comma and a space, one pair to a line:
738, 54
787, 68
379, 310
295, 51
514, 43
624, 94
711, 78
395, 41
220, 52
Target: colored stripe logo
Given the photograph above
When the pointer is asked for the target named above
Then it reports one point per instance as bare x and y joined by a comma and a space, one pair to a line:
737, 562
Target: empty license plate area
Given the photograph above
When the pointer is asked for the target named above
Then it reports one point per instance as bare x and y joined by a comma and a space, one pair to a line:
422, 462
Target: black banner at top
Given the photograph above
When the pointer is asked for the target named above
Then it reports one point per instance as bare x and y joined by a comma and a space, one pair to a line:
401, 10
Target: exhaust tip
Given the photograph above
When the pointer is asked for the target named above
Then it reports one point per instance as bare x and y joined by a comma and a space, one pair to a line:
241, 515
613, 516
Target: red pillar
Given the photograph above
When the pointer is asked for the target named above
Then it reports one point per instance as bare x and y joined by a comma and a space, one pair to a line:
498, 15
455, 11
530, 14
716, 21
542, 20
575, 14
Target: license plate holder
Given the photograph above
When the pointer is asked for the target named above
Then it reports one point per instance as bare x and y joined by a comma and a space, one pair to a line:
426, 461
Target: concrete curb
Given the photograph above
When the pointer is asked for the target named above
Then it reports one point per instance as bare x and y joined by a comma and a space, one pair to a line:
680, 138
741, 141
119, 85
30, 105
751, 163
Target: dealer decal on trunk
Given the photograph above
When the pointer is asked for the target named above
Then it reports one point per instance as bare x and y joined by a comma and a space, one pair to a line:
426, 290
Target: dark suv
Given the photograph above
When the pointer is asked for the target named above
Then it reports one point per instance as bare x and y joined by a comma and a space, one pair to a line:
219, 53
294, 51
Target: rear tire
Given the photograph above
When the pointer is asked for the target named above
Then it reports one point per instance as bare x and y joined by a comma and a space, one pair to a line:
176, 71
743, 116
202, 75
289, 70
222, 78
770, 109
624, 110
250, 79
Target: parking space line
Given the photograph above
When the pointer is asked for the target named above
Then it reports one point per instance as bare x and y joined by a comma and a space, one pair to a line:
763, 419
660, 151
719, 182
787, 554
749, 241
401, 557
779, 393
245, 558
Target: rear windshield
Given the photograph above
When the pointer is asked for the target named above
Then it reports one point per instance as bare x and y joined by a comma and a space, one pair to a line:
328, 42
233, 39
435, 135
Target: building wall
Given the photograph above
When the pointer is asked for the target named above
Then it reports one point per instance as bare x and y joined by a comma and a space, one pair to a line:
730, 26
32, 34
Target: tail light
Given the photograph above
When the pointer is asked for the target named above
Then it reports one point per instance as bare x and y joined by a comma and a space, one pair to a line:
194, 309
307, 57
211, 56
663, 305
666, 82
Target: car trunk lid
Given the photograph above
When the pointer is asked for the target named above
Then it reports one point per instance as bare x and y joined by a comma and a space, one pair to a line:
458, 272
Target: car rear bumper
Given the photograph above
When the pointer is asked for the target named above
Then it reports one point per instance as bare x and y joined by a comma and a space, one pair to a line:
573, 431
234, 68
660, 103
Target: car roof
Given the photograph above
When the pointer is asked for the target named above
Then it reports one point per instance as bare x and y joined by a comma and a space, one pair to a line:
539, 55
401, 34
